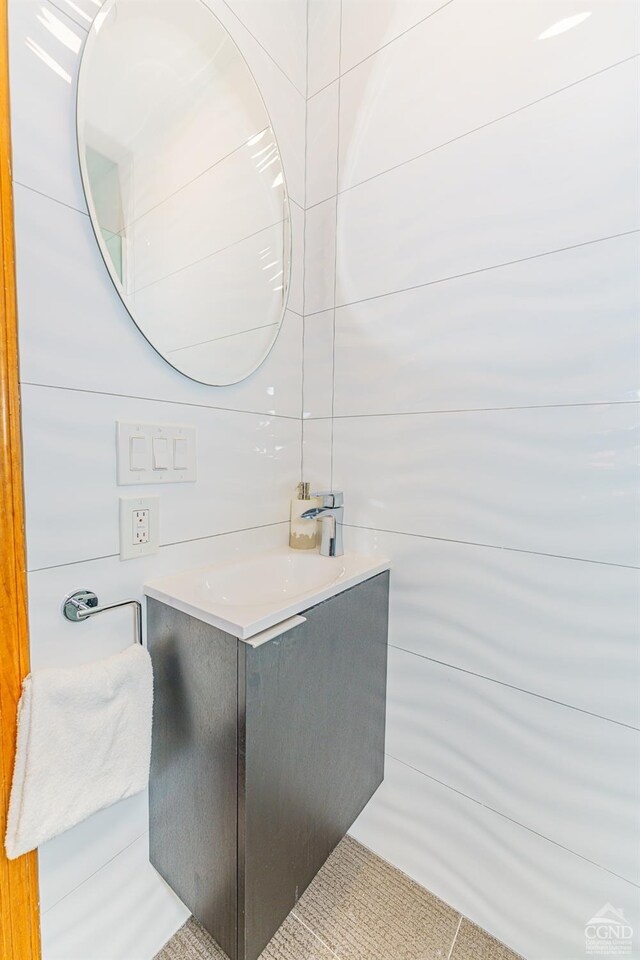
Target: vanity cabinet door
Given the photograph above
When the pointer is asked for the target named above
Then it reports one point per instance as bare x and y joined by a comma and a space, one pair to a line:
312, 749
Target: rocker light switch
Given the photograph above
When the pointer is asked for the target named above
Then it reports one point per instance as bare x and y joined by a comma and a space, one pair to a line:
180, 453
155, 453
137, 453
160, 453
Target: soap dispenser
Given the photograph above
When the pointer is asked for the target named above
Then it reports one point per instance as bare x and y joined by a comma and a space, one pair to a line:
303, 534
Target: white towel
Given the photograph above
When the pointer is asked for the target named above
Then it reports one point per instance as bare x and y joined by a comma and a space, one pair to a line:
84, 742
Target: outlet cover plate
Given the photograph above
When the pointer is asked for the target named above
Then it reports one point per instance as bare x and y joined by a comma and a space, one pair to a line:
128, 506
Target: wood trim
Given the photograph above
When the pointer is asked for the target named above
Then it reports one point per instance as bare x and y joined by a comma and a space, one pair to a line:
19, 914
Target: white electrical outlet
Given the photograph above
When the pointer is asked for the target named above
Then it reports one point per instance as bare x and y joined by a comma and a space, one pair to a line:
139, 526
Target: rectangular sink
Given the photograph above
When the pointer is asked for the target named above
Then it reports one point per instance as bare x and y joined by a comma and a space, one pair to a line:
246, 596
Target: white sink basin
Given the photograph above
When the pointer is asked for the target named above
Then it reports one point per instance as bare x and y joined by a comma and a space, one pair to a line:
245, 597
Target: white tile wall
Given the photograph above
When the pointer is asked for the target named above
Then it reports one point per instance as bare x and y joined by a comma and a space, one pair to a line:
564, 767
541, 179
553, 330
84, 365
125, 910
318, 364
367, 25
510, 615
319, 257
484, 390
323, 44
395, 106
532, 894
558, 480
322, 144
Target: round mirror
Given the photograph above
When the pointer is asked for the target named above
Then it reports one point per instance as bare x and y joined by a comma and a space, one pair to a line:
184, 184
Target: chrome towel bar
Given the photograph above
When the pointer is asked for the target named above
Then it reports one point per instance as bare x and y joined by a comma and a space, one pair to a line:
82, 604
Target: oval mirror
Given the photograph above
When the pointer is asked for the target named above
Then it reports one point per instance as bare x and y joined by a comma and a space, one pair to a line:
184, 184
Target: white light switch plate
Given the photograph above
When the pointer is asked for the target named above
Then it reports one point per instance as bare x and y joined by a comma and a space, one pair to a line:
155, 453
139, 526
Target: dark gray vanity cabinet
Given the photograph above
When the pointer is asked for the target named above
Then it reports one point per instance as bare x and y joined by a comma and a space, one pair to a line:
263, 757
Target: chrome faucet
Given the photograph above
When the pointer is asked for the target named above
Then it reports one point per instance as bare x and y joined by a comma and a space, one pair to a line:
330, 514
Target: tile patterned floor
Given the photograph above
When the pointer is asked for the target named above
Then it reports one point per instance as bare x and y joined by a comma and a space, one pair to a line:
359, 908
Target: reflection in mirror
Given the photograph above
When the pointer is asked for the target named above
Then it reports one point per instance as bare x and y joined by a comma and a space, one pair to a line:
185, 185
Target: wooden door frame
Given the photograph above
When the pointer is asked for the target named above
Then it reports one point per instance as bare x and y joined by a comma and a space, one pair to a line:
19, 913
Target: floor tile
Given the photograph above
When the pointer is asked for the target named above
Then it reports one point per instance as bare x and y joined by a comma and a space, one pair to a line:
364, 909
191, 942
292, 942
472, 943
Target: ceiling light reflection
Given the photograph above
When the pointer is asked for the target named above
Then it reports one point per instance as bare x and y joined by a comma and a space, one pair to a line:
563, 25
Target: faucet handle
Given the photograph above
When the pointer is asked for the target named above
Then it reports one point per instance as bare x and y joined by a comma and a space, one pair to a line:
330, 498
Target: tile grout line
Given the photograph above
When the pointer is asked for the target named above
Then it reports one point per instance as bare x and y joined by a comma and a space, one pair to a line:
179, 403
263, 48
511, 686
335, 253
173, 543
374, 53
93, 874
483, 126
472, 273
304, 257
505, 816
491, 546
369, 56
46, 196
455, 937
524, 406
314, 934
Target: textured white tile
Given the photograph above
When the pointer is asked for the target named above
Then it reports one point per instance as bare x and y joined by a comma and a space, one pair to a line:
324, 43
369, 24
555, 480
556, 329
75, 331
547, 177
318, 365
527, 892
322, 145
319, 257
296, 289
546, 766
316, 453
280, 26
414, 95
44, 54
245, 464
562, 629
125, 911
68, 860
